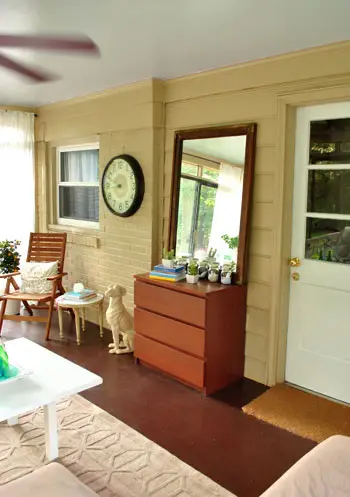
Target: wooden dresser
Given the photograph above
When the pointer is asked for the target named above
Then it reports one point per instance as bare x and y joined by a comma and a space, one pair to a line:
194, 333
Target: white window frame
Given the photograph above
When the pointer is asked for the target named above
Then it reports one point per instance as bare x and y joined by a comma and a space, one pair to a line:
73, 148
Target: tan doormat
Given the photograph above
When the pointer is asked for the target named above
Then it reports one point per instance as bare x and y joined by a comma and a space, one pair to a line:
302, 413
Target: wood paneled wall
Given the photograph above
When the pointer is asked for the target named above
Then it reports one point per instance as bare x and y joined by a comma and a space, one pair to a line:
141, 120
251, 93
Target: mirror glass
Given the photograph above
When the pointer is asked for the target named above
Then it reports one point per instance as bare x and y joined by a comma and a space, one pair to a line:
210, 197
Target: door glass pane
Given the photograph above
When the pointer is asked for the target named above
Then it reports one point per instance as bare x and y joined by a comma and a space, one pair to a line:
204, 220
329, 191
328, 240
186, 217
330, 142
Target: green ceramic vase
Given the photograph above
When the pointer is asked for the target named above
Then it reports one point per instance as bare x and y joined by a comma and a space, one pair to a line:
4, 363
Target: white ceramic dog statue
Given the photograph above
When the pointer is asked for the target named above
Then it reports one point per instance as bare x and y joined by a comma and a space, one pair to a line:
120, 320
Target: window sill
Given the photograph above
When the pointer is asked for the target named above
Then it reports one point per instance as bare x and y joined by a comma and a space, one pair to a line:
86, 237
74, 229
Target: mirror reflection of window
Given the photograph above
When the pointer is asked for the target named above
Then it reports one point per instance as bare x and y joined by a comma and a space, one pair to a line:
210, 196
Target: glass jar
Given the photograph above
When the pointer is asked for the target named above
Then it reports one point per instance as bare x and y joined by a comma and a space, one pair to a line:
226, 274
181, 262
213, 274
203, 270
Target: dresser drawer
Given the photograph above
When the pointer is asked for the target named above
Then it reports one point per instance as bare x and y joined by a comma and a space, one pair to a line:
170, 332
184, 367
176, 305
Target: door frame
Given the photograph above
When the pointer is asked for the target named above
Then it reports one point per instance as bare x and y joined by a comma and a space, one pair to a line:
287, 105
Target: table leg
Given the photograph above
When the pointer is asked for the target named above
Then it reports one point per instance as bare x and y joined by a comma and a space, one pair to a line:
77, 325
13, 421
51, 435
101, 319
60, 321
83, 318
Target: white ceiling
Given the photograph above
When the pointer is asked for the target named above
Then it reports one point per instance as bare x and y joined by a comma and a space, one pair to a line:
140, 39
226, 149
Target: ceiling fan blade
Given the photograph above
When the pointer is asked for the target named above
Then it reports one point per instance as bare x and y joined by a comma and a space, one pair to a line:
33, 74
81, 44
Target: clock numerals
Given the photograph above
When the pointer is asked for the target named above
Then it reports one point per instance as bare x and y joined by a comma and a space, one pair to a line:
107, 186
120, 207
120, 164
109, 196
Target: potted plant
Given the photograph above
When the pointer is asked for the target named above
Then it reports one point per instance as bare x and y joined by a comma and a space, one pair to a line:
192, 275
232, 242
168, 258
228, 273
9, 263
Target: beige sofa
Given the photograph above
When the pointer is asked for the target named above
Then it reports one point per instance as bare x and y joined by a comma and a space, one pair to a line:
323, 472
52, 480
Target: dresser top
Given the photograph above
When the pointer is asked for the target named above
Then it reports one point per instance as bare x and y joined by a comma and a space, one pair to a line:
200, 289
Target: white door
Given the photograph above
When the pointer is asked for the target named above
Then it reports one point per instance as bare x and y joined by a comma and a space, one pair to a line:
318, 345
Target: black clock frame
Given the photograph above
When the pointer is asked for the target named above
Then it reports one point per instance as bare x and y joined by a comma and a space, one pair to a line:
140, 185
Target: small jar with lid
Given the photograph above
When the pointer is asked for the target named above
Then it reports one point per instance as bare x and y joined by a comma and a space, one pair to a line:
203, 269
226, 274
181, 262
214, 270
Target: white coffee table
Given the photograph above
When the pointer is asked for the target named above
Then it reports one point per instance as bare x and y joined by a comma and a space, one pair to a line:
53, 378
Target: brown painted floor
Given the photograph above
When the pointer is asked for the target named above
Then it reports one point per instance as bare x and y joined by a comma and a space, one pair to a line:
239, 452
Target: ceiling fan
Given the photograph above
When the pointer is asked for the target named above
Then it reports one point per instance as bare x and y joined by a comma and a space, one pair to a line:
80, 44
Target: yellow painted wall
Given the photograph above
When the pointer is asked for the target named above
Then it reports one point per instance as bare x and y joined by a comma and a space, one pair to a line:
252, 93
135, 119
129, 120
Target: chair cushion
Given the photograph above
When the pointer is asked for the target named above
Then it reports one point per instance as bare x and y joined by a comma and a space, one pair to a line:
34, 276
52, 480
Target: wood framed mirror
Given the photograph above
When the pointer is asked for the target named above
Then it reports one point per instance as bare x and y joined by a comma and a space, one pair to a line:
211, 194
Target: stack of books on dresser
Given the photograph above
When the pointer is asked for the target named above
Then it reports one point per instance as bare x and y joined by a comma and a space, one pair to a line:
86, 294
167, 274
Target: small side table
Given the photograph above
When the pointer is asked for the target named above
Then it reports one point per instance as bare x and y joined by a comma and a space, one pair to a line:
79, 312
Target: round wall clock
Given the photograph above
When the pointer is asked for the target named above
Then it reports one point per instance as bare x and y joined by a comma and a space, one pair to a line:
123, 185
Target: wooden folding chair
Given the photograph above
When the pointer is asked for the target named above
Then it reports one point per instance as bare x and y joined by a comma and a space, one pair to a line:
43, 247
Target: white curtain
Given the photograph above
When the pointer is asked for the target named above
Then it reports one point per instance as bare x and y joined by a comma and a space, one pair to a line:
227, 210
80, 166
17, 185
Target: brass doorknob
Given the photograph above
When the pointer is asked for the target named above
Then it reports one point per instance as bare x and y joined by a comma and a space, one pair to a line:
294, 262
296, 276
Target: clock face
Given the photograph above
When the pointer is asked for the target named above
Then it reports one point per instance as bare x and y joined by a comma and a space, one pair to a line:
123, 185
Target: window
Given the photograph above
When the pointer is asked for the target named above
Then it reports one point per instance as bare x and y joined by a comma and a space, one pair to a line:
328, 196
78, 185
196, 209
